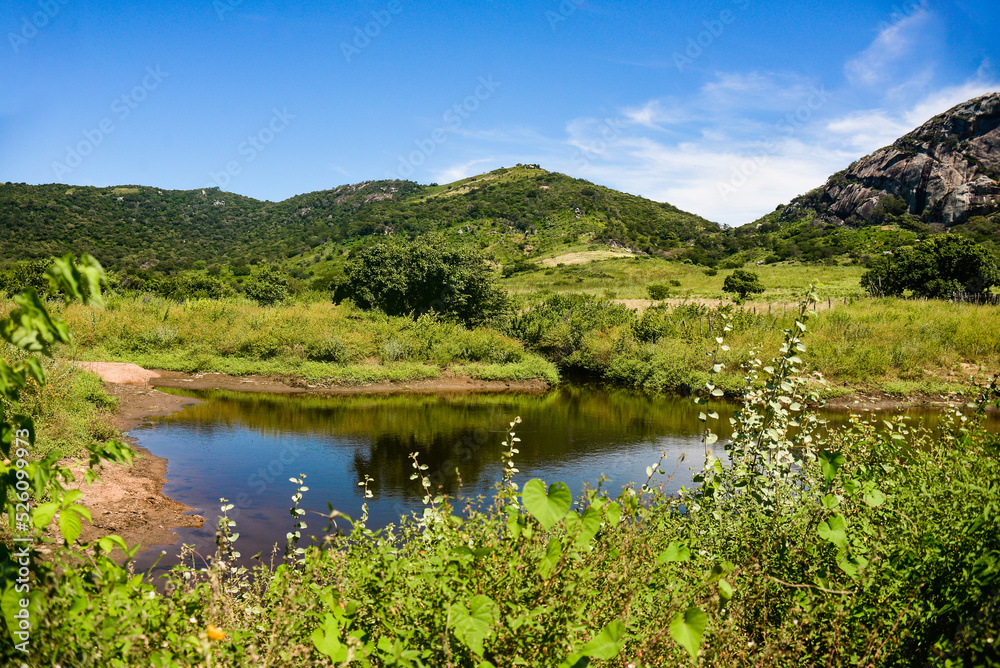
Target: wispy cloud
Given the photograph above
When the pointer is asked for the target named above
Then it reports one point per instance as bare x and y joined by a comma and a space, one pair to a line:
895, 42
461, 171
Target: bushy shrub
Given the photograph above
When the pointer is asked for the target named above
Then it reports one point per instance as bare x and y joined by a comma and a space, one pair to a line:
935, 268
268, 286
423, 276
658, 291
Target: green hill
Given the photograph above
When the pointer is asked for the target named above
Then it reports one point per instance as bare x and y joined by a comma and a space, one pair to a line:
516, 212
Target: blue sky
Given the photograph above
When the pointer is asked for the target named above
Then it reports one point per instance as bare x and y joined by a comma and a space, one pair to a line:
724, 108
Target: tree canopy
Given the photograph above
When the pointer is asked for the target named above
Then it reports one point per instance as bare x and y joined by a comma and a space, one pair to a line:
743, 283
425, 275
935, 267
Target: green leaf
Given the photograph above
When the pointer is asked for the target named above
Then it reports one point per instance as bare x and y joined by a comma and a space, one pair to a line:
78, 281
834, 530
607, 643
326, 639
831, 463
676, 551
874, 498
725, 590
43, 514
850, 564
553, 552
687, 628
590, 524
69, 525
109, 543
474, 625
82, 511
614, 513
549, 508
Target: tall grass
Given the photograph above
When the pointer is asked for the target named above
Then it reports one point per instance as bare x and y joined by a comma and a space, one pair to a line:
316, 341
898, 346
72, 410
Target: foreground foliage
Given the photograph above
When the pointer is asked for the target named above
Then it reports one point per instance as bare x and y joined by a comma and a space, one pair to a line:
863, 546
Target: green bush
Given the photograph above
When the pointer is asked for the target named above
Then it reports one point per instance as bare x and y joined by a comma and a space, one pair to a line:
268, 286
658, 291
423, 276
743, 283
935, 268
874, 544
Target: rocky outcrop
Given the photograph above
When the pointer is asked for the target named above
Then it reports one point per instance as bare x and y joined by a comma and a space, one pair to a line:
946, 171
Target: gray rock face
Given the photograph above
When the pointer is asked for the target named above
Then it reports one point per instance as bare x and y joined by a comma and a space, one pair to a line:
946, 170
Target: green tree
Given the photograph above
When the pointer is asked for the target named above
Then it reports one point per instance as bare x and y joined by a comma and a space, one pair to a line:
268, 286
743, 283
426, 275
935, 268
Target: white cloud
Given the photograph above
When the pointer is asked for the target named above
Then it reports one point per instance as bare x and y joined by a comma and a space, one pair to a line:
895, 42
460, 171
868, 130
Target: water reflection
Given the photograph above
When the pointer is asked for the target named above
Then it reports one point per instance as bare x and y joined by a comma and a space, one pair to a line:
245, 447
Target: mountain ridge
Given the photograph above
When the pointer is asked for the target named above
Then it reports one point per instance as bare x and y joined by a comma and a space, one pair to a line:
523, 207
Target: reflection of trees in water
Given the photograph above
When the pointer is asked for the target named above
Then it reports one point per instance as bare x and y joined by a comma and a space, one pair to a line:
387, 459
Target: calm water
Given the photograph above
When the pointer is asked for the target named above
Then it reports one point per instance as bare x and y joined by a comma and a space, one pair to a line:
245, 447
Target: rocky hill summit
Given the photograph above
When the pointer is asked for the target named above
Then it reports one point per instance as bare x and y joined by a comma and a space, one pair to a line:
945, 172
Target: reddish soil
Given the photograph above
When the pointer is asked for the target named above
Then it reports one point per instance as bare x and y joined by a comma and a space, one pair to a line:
129, 501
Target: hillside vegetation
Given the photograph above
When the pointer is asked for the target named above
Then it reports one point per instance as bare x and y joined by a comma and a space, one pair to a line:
512, 212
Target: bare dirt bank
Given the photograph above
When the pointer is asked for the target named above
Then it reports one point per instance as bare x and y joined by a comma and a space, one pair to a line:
129, 501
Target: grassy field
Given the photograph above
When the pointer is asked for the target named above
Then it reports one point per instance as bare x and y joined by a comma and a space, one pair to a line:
627, 278
317, 341
902, 347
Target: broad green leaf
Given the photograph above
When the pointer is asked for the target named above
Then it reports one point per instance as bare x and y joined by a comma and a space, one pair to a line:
687, 628
831, 463
851, 486
590, 524
43, 514
850, 564
834, 530
109, 543
676, 551
474, 624
614, 513
515, 521
82, 511
831, 501
69, 525
549, 508
725, 590
874, 498
607, 643
326, 639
